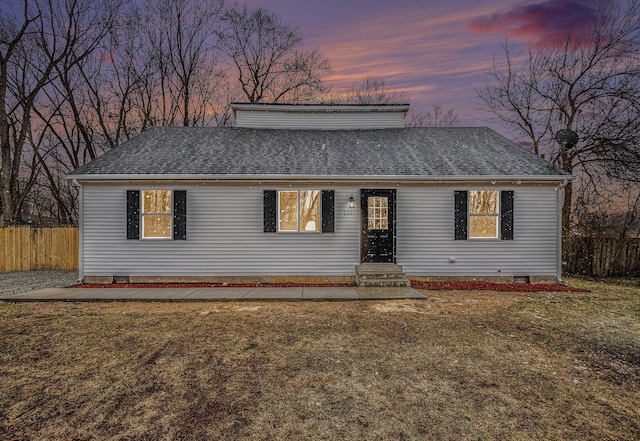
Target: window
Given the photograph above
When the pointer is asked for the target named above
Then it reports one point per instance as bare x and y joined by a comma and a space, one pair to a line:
156, 214
378, 213
483, 214
290, 217
299, 210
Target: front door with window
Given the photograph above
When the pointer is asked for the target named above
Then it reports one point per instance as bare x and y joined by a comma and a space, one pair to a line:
378, 219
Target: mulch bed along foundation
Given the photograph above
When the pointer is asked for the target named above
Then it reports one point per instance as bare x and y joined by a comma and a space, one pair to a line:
477, 286
209, 285
492, 286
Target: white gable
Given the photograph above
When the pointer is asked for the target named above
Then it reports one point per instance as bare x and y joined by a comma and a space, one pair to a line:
320, 116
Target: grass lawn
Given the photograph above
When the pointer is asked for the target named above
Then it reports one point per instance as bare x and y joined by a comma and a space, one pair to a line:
462, 365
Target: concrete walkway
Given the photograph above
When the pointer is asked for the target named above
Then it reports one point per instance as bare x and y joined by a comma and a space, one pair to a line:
207, 294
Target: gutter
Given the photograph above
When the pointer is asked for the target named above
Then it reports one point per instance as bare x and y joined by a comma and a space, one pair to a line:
559, 223
80, 230
315, 178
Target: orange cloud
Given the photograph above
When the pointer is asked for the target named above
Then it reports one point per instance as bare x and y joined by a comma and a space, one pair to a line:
425, 49
413, 49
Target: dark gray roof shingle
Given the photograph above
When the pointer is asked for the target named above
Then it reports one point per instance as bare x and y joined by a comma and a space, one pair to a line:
426, 152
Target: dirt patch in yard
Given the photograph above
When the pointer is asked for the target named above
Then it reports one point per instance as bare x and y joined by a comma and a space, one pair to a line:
461, 365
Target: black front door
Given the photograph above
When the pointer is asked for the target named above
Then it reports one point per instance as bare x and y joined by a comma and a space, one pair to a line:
378, 221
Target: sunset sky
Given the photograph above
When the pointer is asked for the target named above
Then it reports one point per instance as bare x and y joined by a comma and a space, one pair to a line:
437, 51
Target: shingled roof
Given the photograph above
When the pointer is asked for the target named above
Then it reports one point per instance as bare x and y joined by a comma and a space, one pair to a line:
226, 152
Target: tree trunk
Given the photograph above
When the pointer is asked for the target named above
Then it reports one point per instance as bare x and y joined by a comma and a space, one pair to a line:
567, 165
6, 213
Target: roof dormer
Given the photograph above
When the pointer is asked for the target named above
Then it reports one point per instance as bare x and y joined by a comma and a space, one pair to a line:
320, 116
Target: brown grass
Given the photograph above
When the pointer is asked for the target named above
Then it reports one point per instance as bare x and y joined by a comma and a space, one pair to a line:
461, 365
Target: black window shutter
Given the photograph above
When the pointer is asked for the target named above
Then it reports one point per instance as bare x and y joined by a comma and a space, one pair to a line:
461, 209
179, 215
270, 211
133, 214
328, 209
506, 215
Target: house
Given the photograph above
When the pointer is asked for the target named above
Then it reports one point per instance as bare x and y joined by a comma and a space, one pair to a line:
306, 193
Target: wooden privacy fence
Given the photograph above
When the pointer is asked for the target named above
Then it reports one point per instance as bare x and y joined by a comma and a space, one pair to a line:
602, 257
29, 249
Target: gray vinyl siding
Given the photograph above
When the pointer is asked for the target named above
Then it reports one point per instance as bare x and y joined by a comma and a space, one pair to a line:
324, 121
425, 236
225, 237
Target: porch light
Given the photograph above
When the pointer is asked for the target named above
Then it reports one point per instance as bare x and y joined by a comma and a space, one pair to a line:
352, 202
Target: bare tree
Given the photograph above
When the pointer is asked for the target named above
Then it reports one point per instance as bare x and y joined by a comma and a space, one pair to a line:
162, 72
589, 83
373, 90
77, 77
34, 39
74, 122
267, 60
436, 116
177, 60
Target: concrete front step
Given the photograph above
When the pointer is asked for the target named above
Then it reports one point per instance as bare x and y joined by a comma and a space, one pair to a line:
399, 276
384, 283
381, 275
379, 268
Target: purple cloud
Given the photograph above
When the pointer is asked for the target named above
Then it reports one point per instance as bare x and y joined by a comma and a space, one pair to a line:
541, 23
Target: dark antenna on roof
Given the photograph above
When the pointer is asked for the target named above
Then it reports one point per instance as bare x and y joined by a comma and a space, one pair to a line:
567, 139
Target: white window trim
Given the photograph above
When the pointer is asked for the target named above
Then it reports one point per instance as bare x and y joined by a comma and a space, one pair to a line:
143, 214
496, 215
299, 230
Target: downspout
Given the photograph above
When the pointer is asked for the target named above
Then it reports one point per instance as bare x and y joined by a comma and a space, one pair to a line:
80, 230
559, 224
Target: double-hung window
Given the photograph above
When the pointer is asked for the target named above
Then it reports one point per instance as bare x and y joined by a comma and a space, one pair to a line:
299, 211
156, 214
307, 211
483, 214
